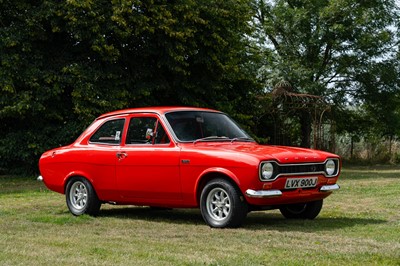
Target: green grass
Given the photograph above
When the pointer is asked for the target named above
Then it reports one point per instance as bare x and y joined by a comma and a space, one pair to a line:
358, 225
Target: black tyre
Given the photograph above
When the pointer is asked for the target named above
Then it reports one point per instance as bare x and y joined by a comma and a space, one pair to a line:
222, 204
81, 197
308, 210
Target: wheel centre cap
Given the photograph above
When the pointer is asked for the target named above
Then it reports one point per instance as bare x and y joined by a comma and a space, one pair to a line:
220, 204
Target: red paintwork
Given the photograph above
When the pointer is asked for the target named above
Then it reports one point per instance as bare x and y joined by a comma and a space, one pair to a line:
160, 175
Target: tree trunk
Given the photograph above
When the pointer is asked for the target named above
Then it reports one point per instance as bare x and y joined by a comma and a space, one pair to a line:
352, 147
305, 120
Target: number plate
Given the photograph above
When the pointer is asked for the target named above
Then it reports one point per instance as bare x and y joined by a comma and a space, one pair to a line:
301, 182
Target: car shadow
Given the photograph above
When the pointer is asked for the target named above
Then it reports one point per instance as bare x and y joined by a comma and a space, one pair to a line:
178, 216
275, 221
263, 220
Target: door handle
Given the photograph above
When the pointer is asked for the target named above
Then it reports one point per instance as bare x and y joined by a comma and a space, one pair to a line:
121, 155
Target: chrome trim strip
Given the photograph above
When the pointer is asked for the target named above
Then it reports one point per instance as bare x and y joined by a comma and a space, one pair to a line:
263, 193
40, 178
300, 164
328, 188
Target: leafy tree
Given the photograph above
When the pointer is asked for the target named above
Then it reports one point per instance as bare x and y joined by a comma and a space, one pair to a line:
326, 47
381, 94
65, 62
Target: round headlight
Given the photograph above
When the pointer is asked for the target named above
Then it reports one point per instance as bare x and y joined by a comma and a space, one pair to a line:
330, 167
267, 170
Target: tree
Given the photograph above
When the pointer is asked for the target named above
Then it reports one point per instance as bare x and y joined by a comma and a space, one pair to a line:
65, 62
326, 48
381, 94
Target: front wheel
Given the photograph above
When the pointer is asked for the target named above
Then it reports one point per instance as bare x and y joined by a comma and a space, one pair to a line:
81, 197
222, 204
308, 210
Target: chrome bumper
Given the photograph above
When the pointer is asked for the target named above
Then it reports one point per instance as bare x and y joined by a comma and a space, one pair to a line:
277, 193
263, 193
328, 188
40, 178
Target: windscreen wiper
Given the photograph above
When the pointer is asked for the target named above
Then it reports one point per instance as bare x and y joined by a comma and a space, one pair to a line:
247, 139
210, 138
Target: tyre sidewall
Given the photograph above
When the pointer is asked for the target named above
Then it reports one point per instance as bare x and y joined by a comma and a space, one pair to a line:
92, 205
313, 209
310, 211
238, 208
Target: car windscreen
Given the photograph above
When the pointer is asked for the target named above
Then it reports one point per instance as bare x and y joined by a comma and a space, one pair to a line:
201, 125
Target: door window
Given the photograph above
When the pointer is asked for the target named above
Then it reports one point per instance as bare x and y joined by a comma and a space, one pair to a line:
146, 130
110, 132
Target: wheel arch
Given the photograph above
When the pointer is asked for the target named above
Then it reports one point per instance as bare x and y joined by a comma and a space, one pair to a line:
214, 173
77, 174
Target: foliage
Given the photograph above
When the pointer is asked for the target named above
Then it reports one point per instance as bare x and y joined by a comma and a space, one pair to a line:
343, 50
65, 62
376, 121
381, 98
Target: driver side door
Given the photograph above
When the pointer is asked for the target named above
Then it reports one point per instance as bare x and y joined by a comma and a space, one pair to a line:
148, 163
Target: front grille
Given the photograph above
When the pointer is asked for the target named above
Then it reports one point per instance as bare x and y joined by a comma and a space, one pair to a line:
297, 169
300, 169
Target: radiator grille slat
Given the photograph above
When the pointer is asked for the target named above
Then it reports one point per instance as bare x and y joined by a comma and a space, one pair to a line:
301, 169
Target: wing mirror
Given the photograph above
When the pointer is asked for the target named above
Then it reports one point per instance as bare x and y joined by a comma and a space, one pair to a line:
149, 133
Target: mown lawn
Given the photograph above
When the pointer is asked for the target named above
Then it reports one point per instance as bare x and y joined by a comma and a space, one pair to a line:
359, 225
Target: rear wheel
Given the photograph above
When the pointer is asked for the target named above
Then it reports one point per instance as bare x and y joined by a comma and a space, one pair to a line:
222, 204
308, 210
81, 197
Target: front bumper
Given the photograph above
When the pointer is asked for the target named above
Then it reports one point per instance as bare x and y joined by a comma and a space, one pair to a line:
272, 193
329, 188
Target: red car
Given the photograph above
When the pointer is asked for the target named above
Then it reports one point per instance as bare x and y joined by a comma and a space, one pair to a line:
180, 157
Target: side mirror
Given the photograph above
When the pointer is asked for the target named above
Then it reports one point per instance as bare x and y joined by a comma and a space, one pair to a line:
149, 133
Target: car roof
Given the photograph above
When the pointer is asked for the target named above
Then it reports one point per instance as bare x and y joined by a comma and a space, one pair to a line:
159, 110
